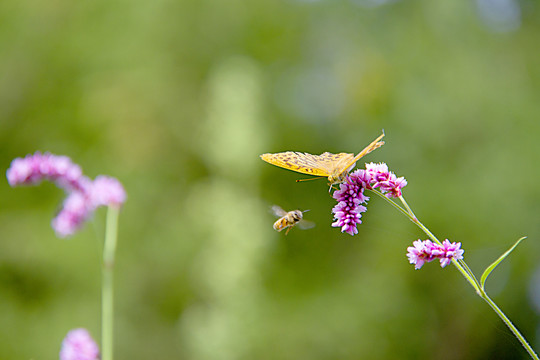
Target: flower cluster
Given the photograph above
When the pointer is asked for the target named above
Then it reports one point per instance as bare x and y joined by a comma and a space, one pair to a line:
426, 251
84, 195
79, 345
35, 168
379, 177
350, 196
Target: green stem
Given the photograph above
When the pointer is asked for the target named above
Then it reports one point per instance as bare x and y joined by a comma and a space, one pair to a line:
407, 206
107, 298
465, 271
396, 206
510, 325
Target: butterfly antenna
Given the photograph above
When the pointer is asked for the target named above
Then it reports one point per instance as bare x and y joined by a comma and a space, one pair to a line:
317, 178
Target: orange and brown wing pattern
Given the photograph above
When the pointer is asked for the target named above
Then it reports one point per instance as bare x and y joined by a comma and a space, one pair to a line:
335, 161
318, 165
345, 164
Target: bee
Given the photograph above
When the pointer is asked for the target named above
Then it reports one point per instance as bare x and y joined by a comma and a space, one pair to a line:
290, 219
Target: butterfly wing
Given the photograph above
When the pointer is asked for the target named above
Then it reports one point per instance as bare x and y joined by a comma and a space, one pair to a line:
318, 165
346, 164
333, 161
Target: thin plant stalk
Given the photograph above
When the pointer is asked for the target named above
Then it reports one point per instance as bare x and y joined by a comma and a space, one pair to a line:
107, 293
510, 325
464, 269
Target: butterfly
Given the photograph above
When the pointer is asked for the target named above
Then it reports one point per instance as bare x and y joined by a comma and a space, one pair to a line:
333, 166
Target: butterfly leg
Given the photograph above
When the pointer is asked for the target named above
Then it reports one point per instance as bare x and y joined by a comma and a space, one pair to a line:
332, 187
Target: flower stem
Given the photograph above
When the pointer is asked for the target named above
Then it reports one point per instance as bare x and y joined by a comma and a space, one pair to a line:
107, 298
466, 272
407, 206
396, 206
510, 325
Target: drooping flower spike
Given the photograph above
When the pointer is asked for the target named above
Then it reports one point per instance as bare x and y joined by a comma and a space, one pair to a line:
33, 169
83, 194
79, 345
350, 196
427, 251
76, 209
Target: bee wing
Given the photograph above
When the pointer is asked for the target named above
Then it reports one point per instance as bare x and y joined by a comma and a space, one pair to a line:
305, 224
278, 211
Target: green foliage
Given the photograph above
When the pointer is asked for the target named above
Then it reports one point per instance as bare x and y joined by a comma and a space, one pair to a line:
492, 267
177, 99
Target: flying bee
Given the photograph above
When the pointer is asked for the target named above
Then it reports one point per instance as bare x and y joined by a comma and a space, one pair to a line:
290, 219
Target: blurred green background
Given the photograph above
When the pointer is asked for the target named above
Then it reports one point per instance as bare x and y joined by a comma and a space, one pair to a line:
177, 99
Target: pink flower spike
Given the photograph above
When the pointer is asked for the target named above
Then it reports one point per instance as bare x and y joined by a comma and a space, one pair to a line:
107, 191
350, 196
426, 251
83, 194
386, 181
37, 167
75, 211
419, 253
19, 172
376, 170
348, 211
79, 345
451, 251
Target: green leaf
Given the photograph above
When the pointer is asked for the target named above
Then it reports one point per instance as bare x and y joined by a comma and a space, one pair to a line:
490, 268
